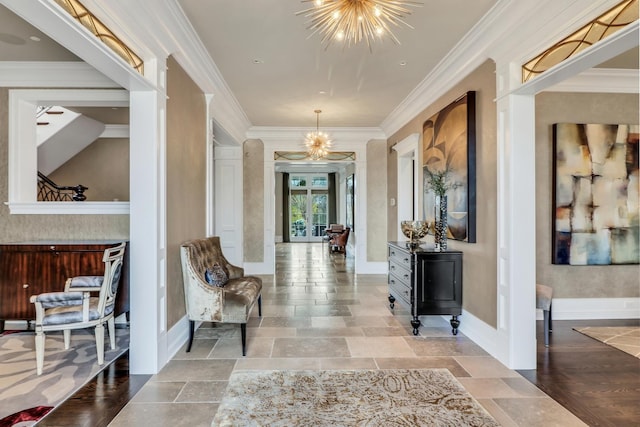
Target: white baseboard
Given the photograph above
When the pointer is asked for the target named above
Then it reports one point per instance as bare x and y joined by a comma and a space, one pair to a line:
177, 336
258, 268
478, 331
372, 268
593, 308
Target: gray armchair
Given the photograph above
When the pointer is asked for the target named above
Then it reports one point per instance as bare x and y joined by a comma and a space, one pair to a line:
75, 308
229, 301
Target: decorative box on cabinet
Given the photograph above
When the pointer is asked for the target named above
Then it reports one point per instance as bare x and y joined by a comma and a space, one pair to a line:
31, 268
425, 282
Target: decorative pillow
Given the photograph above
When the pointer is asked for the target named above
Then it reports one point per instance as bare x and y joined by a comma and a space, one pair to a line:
216, 275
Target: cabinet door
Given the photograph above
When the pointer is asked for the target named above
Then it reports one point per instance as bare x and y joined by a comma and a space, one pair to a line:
22, 275
440, 285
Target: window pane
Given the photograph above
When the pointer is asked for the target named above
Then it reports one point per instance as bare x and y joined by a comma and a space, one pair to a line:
320, 181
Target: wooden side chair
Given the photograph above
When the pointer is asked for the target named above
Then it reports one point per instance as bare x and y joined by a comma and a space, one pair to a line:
75, 308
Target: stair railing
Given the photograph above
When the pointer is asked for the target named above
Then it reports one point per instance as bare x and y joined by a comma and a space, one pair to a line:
49, 191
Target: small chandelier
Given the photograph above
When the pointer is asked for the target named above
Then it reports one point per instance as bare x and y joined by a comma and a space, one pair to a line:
318, 143
356, 20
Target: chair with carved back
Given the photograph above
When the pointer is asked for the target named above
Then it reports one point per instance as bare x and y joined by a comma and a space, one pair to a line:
76, 308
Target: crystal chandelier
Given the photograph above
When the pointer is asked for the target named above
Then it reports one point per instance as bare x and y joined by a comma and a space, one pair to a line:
318, 143
356, 20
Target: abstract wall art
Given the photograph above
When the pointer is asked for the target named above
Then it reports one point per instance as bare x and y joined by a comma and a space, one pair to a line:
596, 210
449, 144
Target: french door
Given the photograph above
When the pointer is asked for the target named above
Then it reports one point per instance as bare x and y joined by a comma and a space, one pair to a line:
308, 208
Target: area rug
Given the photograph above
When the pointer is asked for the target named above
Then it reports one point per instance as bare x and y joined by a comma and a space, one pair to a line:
625, 338
27, 397
420, 397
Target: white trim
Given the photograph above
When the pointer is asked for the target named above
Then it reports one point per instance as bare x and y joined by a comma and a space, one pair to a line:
54, 21
69, 208
408, 180
600, 80
603, 50
115, 131
183, 43
296, 134
258, 268
52, 75
371, 267
22, 194
593, 308
478, 331
177, 336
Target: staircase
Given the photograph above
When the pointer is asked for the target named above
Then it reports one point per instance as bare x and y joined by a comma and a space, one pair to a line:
61, 134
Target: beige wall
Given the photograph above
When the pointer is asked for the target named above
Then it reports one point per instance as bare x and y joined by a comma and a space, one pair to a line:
103, 167
253, 171
376, 201
479, 268
615, 281
186, 177
15, 228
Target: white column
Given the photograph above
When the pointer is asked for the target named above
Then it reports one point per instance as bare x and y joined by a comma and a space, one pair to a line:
516, 225
228, 203
210, 214
148, 348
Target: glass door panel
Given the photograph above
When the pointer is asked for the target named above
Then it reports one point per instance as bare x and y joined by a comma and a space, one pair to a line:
298, 214
320, 211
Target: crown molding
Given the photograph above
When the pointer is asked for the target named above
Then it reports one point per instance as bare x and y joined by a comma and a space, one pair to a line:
52, 20
549, 20
601, 80
468, 54
137, 22
52, 74
298, 133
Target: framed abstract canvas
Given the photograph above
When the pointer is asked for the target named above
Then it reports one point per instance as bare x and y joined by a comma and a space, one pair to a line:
595, 194
449, 144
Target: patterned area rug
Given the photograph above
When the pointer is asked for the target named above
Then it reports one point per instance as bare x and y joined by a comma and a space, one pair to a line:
27, 397
625, 338
421, 397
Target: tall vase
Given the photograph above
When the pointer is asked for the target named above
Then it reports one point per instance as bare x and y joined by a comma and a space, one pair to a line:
441, 223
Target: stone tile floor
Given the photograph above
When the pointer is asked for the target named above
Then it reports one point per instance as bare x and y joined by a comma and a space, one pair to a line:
318, 315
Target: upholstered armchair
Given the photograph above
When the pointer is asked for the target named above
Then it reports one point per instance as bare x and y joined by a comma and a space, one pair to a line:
338, 241
76, 308
214, 289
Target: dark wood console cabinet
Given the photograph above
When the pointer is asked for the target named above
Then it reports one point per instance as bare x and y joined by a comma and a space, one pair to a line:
426, 282
31, 268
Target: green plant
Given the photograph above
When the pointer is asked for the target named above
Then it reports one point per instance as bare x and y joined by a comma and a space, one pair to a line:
437, 181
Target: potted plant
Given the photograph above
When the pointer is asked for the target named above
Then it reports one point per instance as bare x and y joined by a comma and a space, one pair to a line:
438, 182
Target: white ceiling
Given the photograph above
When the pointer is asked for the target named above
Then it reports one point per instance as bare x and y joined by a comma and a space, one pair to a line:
361, 87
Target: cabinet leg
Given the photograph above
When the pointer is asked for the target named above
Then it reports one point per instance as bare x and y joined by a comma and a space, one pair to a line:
392, 300
415, 323
454, 324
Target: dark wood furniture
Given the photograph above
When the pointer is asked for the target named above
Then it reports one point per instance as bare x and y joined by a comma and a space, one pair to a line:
31, 268
426, 282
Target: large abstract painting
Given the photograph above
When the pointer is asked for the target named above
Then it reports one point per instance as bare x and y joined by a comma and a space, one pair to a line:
595, 205
449, 144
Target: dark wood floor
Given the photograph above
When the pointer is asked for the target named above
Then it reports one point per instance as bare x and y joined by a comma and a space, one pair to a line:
599, 384
596, 382
97, 403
